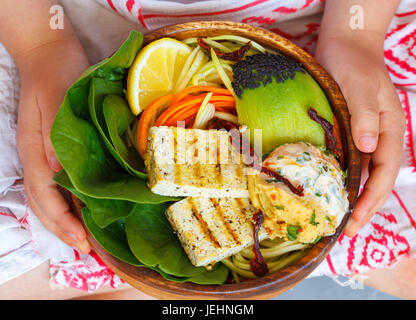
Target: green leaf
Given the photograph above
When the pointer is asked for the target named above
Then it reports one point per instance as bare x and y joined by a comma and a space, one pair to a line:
153, 242
218, 275
112, 74
103, 211
100, 89
118, 117
112, 238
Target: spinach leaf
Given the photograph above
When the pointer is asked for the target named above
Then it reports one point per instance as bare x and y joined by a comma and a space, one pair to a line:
153, 242
103, 211
112, 74
99, 90
218, 275
112, 238
118, 117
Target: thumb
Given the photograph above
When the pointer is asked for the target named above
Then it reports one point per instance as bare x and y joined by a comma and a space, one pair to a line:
365, 116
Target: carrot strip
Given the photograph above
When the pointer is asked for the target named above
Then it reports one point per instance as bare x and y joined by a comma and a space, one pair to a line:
174, 108
147, 118
224, 104
182, 115
180, 95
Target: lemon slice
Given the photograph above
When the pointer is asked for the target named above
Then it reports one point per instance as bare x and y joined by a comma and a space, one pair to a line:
155, 71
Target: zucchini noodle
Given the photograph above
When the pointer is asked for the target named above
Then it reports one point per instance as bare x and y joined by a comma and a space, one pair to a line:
276, 253
220, 69
239, 39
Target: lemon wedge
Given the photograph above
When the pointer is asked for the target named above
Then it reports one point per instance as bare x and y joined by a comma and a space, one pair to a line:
155, 71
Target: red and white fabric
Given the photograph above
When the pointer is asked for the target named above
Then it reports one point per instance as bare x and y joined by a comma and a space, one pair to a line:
389, 237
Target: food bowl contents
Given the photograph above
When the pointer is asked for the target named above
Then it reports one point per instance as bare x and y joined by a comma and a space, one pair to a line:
160, 145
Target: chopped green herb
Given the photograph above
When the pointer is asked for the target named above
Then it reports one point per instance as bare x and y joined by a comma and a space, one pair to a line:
279, 171
280, 207
317, 239
318, 194
328, 218
292, 232
307, 156
312, 219
325, 167
280, 157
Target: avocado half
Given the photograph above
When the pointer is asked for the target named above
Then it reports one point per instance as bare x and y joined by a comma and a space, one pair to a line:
274, 93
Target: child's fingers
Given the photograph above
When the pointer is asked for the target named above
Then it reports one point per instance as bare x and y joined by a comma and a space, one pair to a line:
56, 216
49, 205
44, 198
385, 164
361, 97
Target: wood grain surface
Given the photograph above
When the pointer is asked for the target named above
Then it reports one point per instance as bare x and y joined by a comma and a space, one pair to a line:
274, 284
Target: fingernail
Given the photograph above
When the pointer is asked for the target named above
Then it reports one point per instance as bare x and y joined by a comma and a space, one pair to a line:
84, 246
368, 143
54, 164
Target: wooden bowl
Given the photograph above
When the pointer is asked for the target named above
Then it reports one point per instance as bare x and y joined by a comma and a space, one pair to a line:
149, 281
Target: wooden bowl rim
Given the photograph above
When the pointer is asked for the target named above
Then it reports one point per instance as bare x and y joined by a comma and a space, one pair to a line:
152, 282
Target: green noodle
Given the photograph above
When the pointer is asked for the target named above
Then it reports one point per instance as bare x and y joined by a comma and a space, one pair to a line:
276, 253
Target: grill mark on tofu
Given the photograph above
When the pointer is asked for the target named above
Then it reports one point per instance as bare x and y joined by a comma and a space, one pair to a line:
203, 224
218, 149
243, 211
197, 173
220, 213
239, 173
175, 146
177, 168
219, 174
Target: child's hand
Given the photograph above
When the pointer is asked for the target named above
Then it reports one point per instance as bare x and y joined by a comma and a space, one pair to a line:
46, 73
377, 118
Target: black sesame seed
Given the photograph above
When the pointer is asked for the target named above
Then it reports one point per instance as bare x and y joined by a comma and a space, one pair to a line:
261, 68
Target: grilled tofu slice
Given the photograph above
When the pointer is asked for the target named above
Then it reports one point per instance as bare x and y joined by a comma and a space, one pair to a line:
211, 229
194, 163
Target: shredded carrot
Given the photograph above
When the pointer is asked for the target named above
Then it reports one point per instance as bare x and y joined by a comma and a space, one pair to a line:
183, 106
147, 118
183, 114
224, 104
175, 108
180, 95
